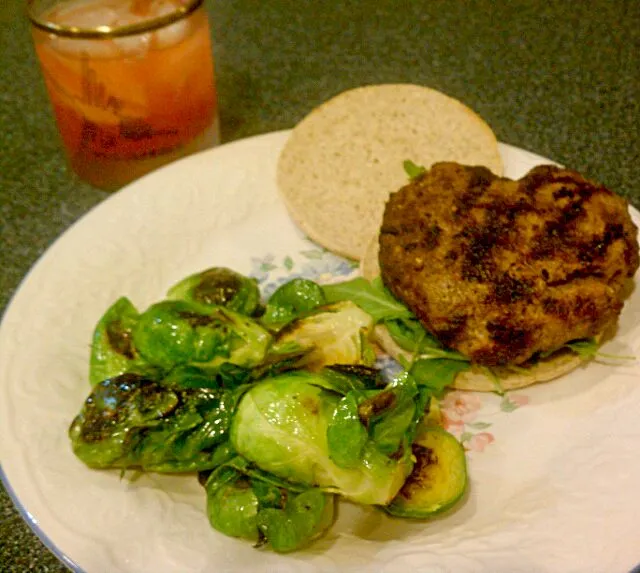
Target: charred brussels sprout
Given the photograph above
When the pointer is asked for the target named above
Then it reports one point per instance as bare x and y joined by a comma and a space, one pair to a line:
176, 332
244, 502
220, 286
112, 348
132, 421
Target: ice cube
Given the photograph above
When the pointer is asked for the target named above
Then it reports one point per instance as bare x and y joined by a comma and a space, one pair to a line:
128, 13
163, 8
90, 14
172, 34
133, 46
77, 48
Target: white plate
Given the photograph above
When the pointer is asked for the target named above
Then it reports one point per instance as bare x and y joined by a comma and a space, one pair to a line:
554, 469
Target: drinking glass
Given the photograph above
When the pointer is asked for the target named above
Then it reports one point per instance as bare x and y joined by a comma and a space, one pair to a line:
131, 82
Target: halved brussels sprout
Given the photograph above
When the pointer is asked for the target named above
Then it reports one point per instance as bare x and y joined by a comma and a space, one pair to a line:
336, 333
281, 425
219, 286
438, 479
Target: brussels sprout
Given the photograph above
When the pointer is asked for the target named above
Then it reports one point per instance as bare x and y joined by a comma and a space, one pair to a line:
219, 286
260, 508
112, 348
175, 332
133, 421
337, 334
282, 424
291, 299
438, 479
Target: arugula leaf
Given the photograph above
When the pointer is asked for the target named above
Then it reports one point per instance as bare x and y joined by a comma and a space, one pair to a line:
495, 380
410, 335
337, 378
346, 436
437, 373
413, 170
372, 297
395, 424
585, 348
435, 367
407, 333
247, 468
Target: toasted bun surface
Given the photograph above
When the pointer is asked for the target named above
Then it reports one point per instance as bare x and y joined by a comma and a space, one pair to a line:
560, 363
343, 160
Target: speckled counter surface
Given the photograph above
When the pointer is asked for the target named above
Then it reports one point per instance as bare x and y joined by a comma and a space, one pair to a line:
558, 78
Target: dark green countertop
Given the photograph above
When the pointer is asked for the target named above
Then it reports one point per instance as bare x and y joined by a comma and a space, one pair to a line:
558, 78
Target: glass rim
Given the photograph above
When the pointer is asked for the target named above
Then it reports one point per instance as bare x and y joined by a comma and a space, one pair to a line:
111, 31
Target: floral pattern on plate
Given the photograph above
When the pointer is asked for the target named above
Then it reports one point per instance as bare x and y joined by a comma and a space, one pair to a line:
314, 263
465, 416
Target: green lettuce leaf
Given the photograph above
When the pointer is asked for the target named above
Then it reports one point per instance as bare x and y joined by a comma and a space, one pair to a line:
436, 374
585, 348
372, 297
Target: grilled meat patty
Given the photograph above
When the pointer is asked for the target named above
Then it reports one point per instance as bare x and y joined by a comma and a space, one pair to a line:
501, 270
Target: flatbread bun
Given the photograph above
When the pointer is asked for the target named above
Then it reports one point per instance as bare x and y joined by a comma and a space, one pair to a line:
559, 363
342, 161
